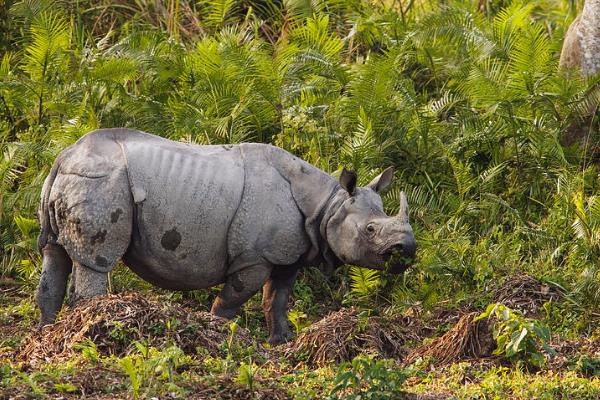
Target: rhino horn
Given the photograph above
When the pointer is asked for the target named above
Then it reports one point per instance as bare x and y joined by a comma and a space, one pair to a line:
403, 213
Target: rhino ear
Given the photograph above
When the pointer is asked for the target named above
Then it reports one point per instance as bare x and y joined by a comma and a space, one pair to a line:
348, 180
383, 180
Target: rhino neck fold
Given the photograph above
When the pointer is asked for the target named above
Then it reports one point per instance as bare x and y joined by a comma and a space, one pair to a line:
314, 192
334, 202
315, 225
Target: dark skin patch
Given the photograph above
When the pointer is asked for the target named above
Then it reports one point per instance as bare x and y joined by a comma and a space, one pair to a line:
99, 237
114, 216
77, 226
303, 170
237, 283
62, 213
171, 240
44, 285
101, 262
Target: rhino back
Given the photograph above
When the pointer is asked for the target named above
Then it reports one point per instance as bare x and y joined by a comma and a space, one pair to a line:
186, 197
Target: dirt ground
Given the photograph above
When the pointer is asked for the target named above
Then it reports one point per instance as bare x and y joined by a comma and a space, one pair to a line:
108, 326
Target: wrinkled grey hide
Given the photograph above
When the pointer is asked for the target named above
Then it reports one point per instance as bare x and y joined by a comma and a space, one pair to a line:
187, 217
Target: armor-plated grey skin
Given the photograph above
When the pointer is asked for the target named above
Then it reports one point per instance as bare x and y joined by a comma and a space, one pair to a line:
581, 47
186, 217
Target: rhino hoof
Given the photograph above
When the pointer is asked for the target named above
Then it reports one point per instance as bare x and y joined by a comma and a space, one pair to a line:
43, 324
275, 340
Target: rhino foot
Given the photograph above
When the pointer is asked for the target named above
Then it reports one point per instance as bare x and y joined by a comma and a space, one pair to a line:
280, 338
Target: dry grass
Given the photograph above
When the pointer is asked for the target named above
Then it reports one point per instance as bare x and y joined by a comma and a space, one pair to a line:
467, 339
527, 294
113, 322
342, 334
569, 350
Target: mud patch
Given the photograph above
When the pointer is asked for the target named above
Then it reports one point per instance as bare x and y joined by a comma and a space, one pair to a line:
114, 322
171, 240
99, 237
114, 216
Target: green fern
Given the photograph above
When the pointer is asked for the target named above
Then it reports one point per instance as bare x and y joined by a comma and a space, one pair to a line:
364, 282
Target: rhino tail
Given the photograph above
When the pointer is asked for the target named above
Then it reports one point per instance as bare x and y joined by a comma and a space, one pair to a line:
44, 210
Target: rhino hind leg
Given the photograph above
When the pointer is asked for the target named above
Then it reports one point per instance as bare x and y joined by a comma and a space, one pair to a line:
56, 267
276, 294
87, 283
239, 288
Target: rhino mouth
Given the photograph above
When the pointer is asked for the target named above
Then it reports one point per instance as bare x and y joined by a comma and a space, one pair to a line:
396, 262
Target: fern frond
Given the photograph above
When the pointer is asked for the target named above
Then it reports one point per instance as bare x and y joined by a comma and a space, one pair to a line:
363, 281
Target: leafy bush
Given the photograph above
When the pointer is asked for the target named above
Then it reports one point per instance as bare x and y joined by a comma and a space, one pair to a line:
150, 367
368, 378
517, 337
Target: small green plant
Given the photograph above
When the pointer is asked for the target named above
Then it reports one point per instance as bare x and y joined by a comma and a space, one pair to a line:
231, 347
518, 337
133, 369
246, 374
25, 309
89, 351
150, 365
367, 378
364, 284
588, 366
298, 320
65, 387
121, 333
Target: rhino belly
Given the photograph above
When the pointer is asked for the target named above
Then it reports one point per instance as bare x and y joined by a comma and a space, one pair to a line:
185, 202
173, 274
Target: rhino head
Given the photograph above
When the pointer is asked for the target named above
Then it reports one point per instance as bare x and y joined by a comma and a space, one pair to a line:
360, 233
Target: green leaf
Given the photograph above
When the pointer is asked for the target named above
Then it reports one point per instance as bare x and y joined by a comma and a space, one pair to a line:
516, 343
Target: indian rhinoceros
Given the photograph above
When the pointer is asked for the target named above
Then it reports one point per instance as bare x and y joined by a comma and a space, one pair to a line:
186, 217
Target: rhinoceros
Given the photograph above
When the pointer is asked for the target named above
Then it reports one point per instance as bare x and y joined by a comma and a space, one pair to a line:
186, 217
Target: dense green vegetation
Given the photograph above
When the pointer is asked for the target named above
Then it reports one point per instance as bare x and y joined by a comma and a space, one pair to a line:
495, 147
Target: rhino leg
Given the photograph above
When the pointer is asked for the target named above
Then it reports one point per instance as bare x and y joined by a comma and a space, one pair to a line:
276, 294
239, 287
87, 283
56, 267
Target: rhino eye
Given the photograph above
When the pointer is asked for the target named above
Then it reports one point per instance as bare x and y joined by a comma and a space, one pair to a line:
370, 228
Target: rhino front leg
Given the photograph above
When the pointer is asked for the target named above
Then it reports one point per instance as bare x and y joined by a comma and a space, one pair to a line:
239, 287
276, 294
87, 283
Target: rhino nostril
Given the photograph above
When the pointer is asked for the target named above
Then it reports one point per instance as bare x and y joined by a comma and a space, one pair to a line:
409, 249
404, 249
398, 248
